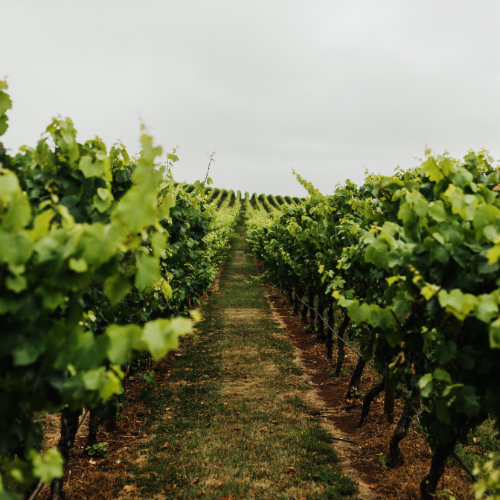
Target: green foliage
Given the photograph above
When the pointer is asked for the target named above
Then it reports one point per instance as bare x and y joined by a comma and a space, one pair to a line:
413, 260
5, 105
383, 460
223, 195
149, 378
97, 252
214, 195
263, 199
272, 201
489, 479
98, 449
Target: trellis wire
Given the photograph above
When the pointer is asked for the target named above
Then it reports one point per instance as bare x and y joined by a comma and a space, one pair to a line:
336, 335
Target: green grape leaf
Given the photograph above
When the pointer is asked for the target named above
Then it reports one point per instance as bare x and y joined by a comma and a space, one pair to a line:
445, 351
28, 352
159, 244
148, 272
19, 213
493, 254
162, 336
15, 250
442, 375
78, 265
5, 102
432, 170
401, 308
41, 225
426, 379
47, 466
198, 186
494, 332
429, 290
458, 303
438, 238
427, 391
90, 168
9, 185
104, 194
167, 290
94, 379
488, 195
122, 340
437, 211
100, 204
51, 297
3, 124
393, 279
16, 283
112, 385
116, 287
486, 308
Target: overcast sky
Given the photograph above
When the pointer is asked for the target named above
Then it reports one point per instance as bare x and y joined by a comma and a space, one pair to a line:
323, 87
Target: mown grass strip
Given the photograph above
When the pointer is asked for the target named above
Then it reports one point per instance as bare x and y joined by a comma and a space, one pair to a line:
232, 423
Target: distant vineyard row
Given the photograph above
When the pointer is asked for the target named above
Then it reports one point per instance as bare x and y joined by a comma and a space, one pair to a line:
267, 202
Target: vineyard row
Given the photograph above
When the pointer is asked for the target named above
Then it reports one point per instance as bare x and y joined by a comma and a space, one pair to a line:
410, 264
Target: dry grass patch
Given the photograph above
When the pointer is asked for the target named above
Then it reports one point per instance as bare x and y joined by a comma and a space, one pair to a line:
240, 314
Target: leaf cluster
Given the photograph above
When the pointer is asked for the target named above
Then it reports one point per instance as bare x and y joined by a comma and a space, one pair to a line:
100, 254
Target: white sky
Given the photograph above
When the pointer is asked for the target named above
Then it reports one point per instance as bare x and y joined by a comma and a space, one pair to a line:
324, 87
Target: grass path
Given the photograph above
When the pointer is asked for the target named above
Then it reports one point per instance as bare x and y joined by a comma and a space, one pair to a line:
230, 421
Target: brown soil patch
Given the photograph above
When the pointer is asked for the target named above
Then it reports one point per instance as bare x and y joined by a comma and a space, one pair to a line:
341, 417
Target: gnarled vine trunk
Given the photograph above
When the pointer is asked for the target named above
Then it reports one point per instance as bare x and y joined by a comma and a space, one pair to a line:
69, 426
355, 378
319, 322
358, 372
411, 406
429, 483
368, 400
340, 355
303, 309
329, 333
93, 426
296, 303
310, 303
111, 425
